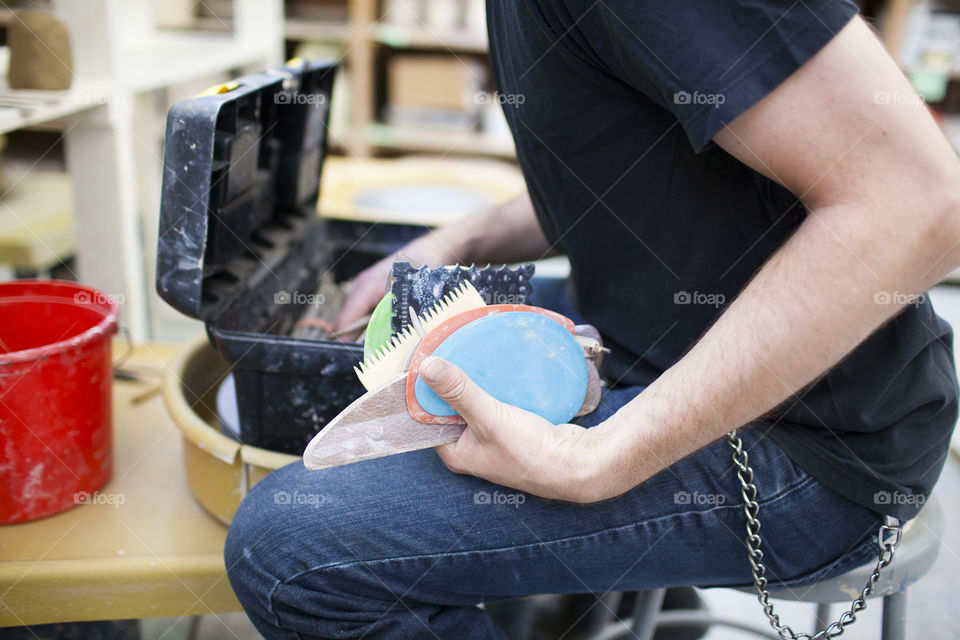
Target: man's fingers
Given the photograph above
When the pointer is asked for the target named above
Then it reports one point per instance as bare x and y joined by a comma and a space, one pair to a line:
354, 308
448, 454
365, 292
460, 392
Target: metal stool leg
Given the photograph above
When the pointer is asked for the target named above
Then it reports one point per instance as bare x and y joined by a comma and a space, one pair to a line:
603, 612
894, 616
823, 617
194, 627
645, 612
515, 617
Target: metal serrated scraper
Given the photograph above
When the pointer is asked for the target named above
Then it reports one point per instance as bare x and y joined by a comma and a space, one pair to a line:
420, 287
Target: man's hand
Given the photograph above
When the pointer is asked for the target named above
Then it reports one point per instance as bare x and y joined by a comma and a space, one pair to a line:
512, 447
366, 291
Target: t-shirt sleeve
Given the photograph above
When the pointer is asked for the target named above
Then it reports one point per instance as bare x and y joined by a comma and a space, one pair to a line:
708, 61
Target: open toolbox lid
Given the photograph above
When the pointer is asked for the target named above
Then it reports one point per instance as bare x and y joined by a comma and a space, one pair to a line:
241, 175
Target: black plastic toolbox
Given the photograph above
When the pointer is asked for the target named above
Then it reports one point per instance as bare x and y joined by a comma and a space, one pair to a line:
239, 229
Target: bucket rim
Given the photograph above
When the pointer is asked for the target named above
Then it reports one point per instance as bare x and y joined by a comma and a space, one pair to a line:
107, 326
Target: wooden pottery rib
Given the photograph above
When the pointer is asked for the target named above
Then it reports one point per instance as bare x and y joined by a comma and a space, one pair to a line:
592, 399
373, 426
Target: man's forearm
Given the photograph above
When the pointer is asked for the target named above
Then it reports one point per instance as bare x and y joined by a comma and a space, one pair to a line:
812, 303
504, 234
882, 188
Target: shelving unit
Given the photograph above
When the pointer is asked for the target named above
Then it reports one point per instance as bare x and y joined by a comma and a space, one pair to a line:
426, 140
896, 18
21, 108
307, 29
382, 42
126, 67
366, 38
112, 118
406, 37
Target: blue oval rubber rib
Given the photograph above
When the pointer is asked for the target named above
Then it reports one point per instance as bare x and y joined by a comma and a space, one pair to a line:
523, 359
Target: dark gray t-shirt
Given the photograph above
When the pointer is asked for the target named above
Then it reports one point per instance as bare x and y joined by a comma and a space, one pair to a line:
613, 105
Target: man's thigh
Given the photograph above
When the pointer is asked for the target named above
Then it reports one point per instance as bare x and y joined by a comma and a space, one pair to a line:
405, 527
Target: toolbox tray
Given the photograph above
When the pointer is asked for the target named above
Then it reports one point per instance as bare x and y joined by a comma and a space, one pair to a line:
241, 247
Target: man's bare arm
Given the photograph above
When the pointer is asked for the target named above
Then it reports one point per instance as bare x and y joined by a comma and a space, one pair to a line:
882, 187
848, 135
503, 234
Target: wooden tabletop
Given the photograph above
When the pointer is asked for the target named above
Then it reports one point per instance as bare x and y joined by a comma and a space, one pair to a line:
146, 549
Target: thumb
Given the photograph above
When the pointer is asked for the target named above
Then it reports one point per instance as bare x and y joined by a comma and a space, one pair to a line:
462, 394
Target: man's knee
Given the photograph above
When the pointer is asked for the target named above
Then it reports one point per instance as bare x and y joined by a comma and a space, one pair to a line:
265, 545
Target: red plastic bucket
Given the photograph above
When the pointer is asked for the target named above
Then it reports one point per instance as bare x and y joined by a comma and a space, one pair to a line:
55, 390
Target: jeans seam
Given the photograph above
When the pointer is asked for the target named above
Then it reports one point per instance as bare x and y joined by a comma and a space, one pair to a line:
450, 554
277, 584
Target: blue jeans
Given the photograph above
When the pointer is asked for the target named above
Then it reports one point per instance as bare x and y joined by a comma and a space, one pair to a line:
401, 548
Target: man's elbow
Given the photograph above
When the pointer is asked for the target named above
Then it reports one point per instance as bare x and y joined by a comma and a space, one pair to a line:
942, 222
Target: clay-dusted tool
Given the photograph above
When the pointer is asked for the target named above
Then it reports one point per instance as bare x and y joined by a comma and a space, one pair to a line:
318, 316
593, 350
379, 424
429, 344
375, 425
389, 360
421, 287
523, 358
378, 328
356, 326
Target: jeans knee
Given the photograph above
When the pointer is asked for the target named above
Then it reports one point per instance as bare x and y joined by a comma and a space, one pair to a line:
253, 544
237, 555
317, 554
